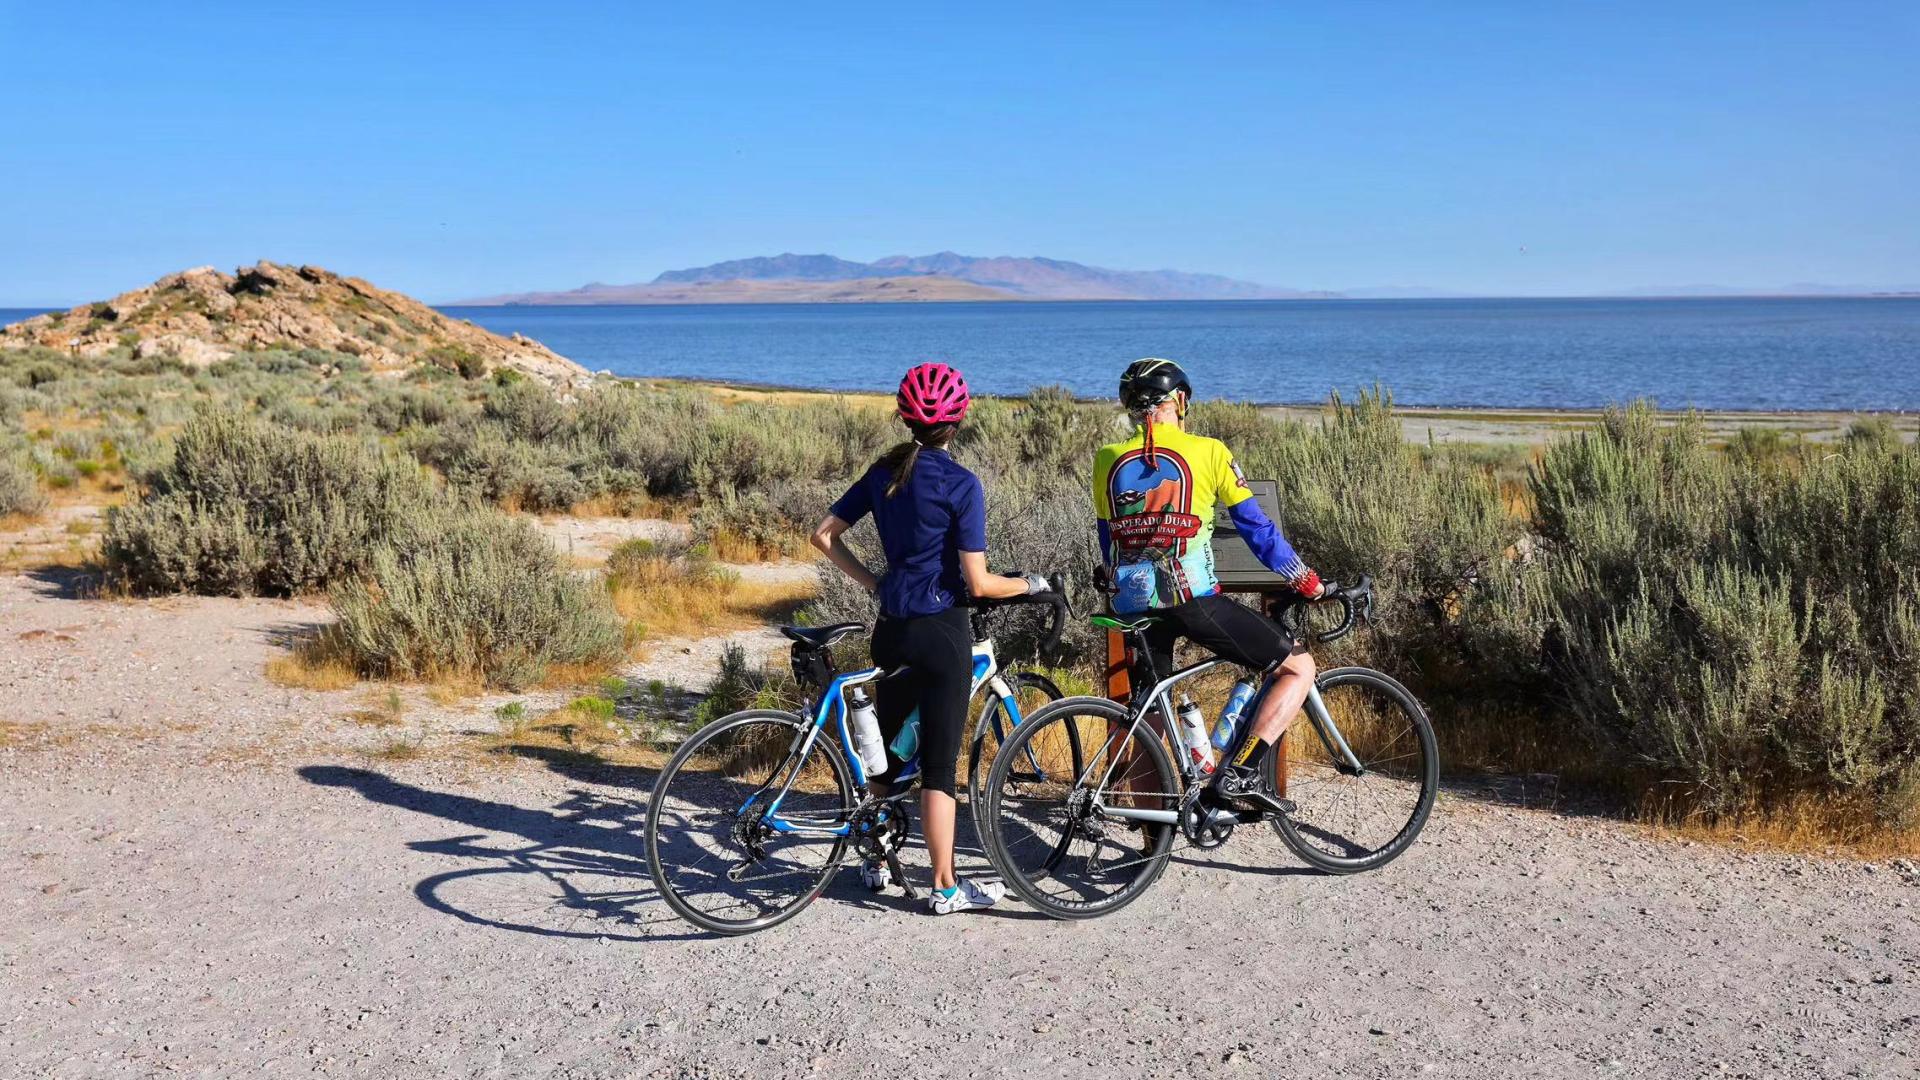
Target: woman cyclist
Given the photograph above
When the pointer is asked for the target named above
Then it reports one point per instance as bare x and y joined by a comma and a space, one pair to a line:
931, 516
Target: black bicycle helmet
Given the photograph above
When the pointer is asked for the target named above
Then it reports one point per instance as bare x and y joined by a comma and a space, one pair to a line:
1151, 381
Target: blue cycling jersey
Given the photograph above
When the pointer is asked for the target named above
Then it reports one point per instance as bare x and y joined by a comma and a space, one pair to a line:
939, 513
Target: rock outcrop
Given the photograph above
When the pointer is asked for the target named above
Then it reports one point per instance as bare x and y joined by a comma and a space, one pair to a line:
202, 316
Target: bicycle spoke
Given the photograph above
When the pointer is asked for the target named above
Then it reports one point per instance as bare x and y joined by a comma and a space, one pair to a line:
1056, 848
1345, 820
729, 870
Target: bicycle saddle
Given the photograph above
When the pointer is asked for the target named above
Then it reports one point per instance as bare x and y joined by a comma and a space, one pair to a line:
1110, 622
820, 637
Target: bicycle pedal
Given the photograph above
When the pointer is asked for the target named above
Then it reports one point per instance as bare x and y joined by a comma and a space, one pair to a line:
900, 875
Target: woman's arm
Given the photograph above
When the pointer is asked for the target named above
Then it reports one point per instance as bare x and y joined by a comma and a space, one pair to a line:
826, 537
986, 586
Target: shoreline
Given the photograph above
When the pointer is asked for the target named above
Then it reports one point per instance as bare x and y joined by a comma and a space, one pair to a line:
1021, 299
1441, 423
27, 311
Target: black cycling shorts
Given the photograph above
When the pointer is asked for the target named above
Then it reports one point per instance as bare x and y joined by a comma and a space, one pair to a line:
937, 650
1229, 630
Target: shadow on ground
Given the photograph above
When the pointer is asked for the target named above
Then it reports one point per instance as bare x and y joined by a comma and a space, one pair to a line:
579, 869
293, 636
65, 583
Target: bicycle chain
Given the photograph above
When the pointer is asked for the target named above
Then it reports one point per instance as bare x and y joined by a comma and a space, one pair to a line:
1181, 843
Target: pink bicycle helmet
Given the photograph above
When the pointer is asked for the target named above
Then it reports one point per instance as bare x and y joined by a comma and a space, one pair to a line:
933, 394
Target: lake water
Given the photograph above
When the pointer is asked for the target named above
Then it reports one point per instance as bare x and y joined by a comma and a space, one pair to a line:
1714, 354
1710, 353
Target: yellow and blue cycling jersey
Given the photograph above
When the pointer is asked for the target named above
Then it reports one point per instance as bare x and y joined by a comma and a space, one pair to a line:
1156, 507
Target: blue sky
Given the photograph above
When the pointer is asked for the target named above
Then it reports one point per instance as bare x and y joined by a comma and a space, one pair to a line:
451, 150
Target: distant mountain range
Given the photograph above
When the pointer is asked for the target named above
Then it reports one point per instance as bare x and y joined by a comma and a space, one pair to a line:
871, 290
947, 276
944, 276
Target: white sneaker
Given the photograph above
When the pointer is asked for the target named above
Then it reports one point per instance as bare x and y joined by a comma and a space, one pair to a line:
967, 897
876, 876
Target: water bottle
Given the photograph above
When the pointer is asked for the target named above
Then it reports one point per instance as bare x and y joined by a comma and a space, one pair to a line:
1230, 717
1193, 732
866, 732
907, 743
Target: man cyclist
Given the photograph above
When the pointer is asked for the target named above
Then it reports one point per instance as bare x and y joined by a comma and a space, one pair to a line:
1154, 495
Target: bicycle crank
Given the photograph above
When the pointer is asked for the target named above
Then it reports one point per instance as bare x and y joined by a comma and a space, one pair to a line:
1205, 825
879, 832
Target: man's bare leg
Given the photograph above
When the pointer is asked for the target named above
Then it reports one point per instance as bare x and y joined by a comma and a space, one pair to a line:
1280, 704
1242, 778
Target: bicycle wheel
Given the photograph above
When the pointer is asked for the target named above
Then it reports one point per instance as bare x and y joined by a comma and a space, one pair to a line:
712, 855
1031, 691
1347, 821
1045, 835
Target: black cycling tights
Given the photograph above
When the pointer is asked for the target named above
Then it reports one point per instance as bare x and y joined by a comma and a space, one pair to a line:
938, 651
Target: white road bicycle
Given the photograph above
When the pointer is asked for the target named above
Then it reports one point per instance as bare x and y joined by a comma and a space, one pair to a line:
1360, 770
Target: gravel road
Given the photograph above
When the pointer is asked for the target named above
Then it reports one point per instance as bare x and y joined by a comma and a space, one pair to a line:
243, 891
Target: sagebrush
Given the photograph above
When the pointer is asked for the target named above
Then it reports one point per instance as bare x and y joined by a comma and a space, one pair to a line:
482, 597
1730, 626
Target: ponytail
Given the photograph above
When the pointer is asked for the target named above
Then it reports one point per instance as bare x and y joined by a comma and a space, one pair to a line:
900, 460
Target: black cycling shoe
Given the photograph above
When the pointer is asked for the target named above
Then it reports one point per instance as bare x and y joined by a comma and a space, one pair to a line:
1244, 784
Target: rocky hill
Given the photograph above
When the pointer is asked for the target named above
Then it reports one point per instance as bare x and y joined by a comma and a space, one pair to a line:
203, 315
999, 278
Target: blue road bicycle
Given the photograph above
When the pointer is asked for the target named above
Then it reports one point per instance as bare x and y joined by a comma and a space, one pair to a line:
755, 812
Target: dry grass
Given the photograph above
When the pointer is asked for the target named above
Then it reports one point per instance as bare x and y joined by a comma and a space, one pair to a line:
563, 676
310, 668
734, 394
1523, 743
317, 662
13, 733
66, 554
1526, 744
399, 750
574, 734
729, 546
662, 596
697, 608
1803, 824
39, 542
382, 709
107, 487
633, 506
450, 692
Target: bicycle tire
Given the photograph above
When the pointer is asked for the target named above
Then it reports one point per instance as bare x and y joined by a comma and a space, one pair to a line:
1293, 829
729, 726
1029, 882
988, 726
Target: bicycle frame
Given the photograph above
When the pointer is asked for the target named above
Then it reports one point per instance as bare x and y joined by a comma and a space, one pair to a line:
1160, 698
831, 708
